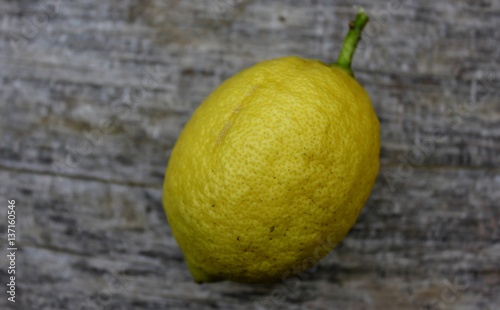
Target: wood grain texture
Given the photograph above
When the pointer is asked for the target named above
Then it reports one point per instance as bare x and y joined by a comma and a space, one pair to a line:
93, 95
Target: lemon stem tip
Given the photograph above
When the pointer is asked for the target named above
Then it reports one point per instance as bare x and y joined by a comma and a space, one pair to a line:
351, 41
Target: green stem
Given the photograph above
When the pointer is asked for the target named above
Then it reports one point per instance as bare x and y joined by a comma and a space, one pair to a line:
351, 41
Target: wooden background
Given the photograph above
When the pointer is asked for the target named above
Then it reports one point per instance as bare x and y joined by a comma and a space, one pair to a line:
93, 95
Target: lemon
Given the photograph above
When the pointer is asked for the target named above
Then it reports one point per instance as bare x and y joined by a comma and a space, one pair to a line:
280, 156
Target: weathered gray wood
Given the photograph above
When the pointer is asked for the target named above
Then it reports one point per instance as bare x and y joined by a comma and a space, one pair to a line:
93, 97
79, 238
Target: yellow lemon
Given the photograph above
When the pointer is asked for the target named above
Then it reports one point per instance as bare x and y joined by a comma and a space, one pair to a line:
271, 171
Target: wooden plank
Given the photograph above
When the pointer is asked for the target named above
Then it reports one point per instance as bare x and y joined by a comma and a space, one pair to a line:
93, 95
407, 246
74, 76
